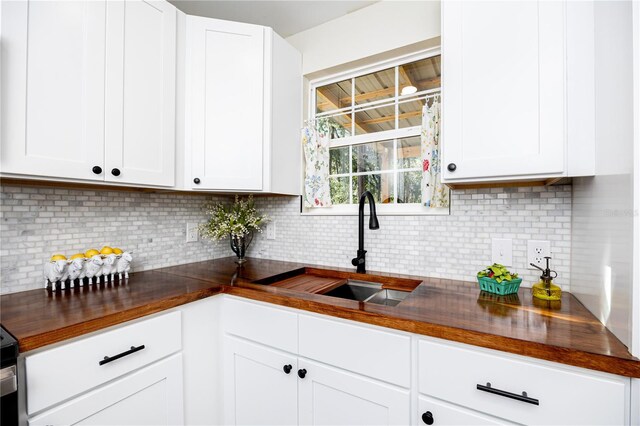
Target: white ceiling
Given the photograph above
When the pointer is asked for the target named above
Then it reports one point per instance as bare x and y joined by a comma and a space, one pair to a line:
285, 17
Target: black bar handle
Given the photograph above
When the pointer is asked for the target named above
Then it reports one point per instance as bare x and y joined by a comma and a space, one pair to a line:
108, 359
523, 397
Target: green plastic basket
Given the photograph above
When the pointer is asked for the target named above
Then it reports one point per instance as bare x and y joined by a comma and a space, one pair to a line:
505, 287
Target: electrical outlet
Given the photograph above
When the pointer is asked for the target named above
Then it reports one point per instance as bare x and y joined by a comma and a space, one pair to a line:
501, 251
537, 250
192, 232
271, 231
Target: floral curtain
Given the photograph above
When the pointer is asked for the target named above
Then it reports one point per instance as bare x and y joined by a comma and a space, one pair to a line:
434, 193
315, 144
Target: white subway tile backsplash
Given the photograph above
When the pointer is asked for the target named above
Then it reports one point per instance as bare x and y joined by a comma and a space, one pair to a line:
37, 222
454, 246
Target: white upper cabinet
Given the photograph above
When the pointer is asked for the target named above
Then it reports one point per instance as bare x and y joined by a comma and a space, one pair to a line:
227, 103
140, 92
89, 90
52, 88
504, 112
243, 108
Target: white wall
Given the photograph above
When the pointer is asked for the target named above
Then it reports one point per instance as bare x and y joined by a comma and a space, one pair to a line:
379, 28
602, 219
635, 345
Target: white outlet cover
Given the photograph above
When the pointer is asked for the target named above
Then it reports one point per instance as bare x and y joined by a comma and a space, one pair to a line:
271, 231
192, 232
502, 251
536, 252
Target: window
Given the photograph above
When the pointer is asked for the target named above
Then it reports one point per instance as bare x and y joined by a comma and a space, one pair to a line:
375, 118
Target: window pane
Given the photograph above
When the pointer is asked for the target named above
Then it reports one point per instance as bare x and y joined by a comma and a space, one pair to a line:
339, 160
376, 119
380, 186
339, 190
373, 156
423, 74
375, 86
333, 96
409, 187
410, 113
409, 153
338, 125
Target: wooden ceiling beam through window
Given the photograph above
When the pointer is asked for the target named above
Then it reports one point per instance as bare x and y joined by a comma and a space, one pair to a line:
379, 120
332, 101
429, 83
406, 77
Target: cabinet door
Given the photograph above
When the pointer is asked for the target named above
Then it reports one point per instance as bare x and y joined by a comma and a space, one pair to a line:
226, 112
53, 88
503, 89
328, 396
258, 391
140, 92
151, 396
444, 414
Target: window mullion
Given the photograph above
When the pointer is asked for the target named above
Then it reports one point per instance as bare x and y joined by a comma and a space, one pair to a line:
350, 174
353, 104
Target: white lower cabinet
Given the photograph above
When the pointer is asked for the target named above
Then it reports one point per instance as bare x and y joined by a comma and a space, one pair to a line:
150, 396
436, 412
260, 384
330, 396
267, 385
519, 389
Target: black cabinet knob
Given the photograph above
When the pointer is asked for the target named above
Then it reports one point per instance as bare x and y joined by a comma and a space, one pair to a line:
427, 418
452, 167
115, 172
287, 368
97, 170
302, 373
196, 181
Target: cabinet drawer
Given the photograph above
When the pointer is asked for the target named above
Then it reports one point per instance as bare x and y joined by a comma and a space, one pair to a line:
564, 395
444, 414
274, 327
375, 353
57, 374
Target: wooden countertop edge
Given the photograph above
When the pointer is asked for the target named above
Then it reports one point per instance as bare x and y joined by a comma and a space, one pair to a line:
573, 357
576, 358
76, 330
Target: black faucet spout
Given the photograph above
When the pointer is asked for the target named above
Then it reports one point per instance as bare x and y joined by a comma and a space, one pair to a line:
359, 261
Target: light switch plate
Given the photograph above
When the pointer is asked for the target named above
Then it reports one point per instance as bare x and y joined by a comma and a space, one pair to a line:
502, 251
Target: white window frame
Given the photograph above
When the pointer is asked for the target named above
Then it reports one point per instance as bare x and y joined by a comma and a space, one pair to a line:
382, 209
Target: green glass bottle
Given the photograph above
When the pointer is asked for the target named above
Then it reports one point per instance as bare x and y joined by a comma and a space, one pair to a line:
545, 289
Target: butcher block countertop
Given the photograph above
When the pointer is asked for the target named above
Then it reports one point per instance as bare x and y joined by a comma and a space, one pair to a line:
454, 310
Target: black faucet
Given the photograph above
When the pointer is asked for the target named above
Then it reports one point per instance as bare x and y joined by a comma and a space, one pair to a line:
359, 260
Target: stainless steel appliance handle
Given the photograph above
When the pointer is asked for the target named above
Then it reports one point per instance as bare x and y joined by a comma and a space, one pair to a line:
8, 380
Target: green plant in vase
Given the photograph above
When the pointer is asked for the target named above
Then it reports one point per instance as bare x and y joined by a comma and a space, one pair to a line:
238, 221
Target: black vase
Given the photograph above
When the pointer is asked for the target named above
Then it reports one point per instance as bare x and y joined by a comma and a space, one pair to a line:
240, 244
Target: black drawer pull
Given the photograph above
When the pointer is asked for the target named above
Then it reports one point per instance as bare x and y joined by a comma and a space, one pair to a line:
108, 359
523, 397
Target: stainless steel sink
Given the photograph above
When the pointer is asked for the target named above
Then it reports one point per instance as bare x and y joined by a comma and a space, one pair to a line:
388, 297
365, 291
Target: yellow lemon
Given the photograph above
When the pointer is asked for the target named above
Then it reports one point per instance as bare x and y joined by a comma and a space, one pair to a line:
117, 250
77, 256
91, 252
106, 250
58, 257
